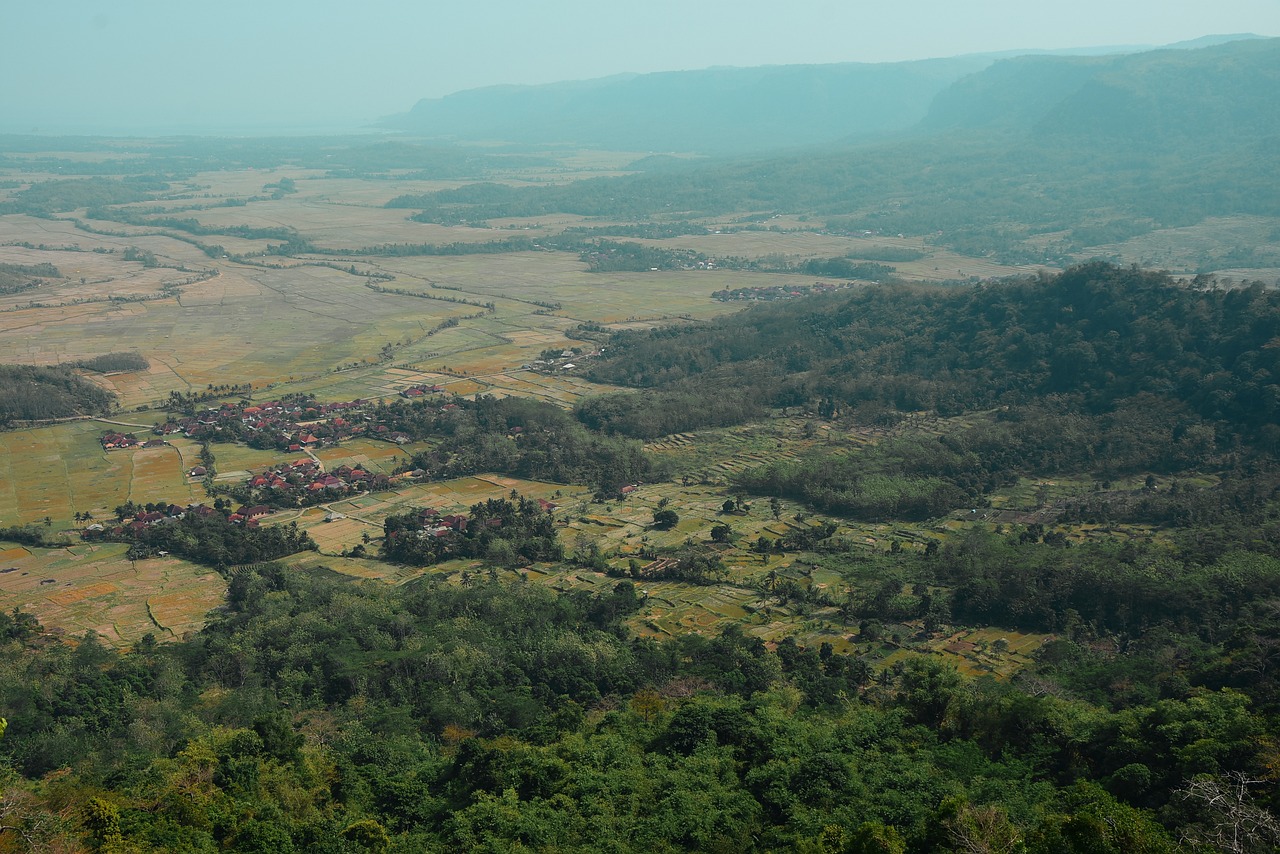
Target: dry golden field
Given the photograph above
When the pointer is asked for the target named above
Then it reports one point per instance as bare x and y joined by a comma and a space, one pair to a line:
95, 588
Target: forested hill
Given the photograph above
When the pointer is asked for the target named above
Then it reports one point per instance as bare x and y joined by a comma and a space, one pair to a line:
1157, 99
1095, 337
33, 393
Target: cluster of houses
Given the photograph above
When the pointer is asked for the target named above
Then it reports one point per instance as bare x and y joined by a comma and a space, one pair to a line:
114, 441
293, 426
249, 516
386, 434
168, 515
416, 391
433, 524
566, 361
306, 482
771, 293
290, 426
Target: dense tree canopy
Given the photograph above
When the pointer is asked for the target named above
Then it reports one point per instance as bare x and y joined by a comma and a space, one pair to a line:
1096, 335
324, 716
29, 393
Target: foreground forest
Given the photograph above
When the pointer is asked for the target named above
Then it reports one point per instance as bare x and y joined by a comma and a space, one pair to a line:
317, 713
318, 716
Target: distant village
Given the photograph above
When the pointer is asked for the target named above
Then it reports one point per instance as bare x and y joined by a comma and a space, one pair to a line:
557, 361
292, 426
134, 519
301, 426
772, 293
285, 425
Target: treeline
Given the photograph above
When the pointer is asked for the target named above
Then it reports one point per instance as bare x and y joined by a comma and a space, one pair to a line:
503, 532
16, 278
645, 230
211, 539
516, 436
327, 716
396, 250
487, 306
599, 255
1115, 589
47, 197
193, 226
606, 256
921, 477
845, 268
32, 535
887, 253
889, 486
186, 402
646, 415
30, 393
108, 362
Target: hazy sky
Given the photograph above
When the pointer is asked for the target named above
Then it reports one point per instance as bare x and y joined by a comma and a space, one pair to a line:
236, 65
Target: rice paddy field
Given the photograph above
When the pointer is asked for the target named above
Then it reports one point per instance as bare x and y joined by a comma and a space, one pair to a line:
95, 588
61, 470
364, 515
309, 324
1206, 244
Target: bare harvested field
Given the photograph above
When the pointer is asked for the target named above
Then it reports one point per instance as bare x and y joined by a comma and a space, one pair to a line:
95, 588
1207, 244
303, 324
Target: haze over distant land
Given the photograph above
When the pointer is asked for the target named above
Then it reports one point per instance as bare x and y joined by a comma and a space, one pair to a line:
739, 110
151, 67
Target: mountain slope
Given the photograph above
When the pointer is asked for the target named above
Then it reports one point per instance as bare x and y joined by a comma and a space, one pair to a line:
1156, 99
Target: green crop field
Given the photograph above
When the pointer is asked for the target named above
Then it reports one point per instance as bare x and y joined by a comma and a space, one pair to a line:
158, 475
61, 470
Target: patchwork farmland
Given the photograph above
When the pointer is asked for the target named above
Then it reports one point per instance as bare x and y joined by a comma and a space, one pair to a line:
215, 304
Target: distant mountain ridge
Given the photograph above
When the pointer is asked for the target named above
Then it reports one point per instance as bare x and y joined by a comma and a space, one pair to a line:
1031, 159
739, 110
718, 110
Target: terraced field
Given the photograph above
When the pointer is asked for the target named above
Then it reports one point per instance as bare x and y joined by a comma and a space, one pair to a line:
95, 588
